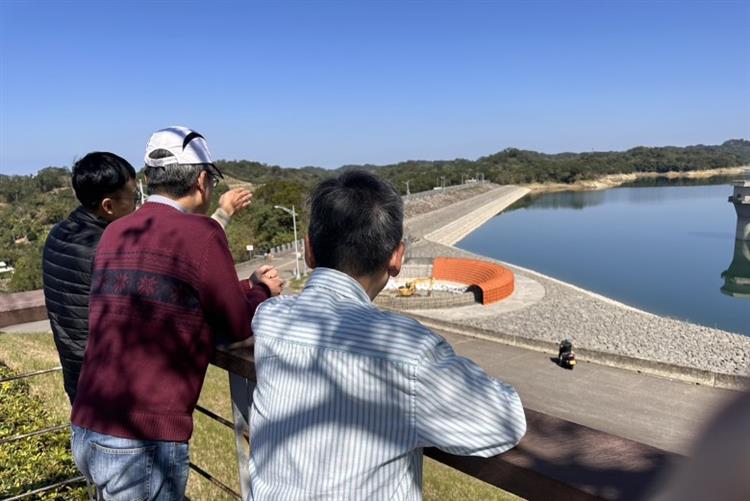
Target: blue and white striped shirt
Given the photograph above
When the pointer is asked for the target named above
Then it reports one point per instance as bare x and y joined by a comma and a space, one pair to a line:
347, 396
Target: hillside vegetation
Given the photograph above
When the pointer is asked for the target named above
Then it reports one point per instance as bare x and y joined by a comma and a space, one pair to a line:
514, 166
30, 205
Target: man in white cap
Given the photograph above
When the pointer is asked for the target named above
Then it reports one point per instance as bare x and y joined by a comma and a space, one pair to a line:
164, 288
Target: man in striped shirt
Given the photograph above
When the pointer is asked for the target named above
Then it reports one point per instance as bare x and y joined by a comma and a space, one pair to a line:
347, 395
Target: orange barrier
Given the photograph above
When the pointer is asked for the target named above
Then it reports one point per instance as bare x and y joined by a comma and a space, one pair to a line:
496, 282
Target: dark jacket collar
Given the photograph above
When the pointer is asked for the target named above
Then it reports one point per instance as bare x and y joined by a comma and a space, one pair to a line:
83, 216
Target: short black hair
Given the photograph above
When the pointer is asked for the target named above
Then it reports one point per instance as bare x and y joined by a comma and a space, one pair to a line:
356, 222
98, 175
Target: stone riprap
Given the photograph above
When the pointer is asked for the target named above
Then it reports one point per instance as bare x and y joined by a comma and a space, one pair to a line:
438, 299
428, 201
598, 323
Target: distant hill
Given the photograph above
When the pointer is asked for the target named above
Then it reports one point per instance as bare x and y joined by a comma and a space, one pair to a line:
259, 173
514, 166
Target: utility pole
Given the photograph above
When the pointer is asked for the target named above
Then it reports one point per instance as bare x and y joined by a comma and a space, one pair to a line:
296, 244
304, 261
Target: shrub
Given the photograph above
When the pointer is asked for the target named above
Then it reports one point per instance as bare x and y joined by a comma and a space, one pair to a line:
33, 462
28, 273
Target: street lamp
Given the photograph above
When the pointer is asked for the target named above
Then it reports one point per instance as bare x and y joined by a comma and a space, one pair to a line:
294, 225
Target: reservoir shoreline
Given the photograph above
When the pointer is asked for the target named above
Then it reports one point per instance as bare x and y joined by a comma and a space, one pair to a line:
603, 329
615, 180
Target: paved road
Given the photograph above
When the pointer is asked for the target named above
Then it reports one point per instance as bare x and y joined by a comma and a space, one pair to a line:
284, 262
656, 411
40, 326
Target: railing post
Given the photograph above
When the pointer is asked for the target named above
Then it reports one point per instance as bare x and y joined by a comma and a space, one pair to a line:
241, 390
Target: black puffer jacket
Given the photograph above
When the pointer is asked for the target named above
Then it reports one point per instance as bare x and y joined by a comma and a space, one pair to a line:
66, 264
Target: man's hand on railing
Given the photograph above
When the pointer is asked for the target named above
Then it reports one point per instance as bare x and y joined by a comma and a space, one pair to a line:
245, 343
269, 276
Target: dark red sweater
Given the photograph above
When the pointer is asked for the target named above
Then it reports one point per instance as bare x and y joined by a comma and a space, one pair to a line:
163, 286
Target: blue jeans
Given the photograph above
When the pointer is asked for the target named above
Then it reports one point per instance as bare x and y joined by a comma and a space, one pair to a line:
131, 470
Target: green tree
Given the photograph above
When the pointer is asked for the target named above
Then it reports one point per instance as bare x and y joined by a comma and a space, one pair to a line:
271, 227
51, 178
28, 269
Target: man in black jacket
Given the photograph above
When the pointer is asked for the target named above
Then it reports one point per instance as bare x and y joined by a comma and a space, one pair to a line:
105, 185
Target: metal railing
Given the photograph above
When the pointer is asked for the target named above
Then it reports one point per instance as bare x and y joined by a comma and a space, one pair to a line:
81, 479
51, 487
203, 473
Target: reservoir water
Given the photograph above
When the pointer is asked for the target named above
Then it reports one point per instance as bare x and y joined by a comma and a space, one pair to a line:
659, 246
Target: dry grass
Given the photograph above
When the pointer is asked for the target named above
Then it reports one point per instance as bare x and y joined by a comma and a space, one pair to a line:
212, 446
32, 352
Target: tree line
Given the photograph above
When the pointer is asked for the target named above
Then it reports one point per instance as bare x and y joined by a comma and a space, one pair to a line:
515, 166
30, 205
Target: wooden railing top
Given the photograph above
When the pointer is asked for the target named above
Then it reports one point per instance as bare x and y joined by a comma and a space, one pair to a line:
556, 459
21, 300
22, 307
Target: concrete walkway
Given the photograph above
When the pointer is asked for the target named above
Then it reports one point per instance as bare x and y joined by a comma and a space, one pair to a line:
656, 411
457, 229
40, 326
498, 199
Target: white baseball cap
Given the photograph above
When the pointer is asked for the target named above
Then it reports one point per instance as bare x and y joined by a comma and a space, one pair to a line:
178, 145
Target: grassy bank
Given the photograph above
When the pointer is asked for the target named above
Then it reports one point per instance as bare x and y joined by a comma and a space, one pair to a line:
212, 446
35, 462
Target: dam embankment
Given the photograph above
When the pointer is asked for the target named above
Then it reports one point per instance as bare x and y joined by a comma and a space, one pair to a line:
544, 310
460, 218
457, 229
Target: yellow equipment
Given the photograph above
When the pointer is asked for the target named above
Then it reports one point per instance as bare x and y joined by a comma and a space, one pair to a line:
410, 288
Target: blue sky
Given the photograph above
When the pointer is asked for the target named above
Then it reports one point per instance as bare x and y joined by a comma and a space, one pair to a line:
332, 83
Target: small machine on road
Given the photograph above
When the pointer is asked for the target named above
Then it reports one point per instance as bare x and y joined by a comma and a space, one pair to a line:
566, 357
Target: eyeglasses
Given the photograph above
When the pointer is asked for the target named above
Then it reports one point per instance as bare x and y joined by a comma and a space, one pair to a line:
137, 196
214, 174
